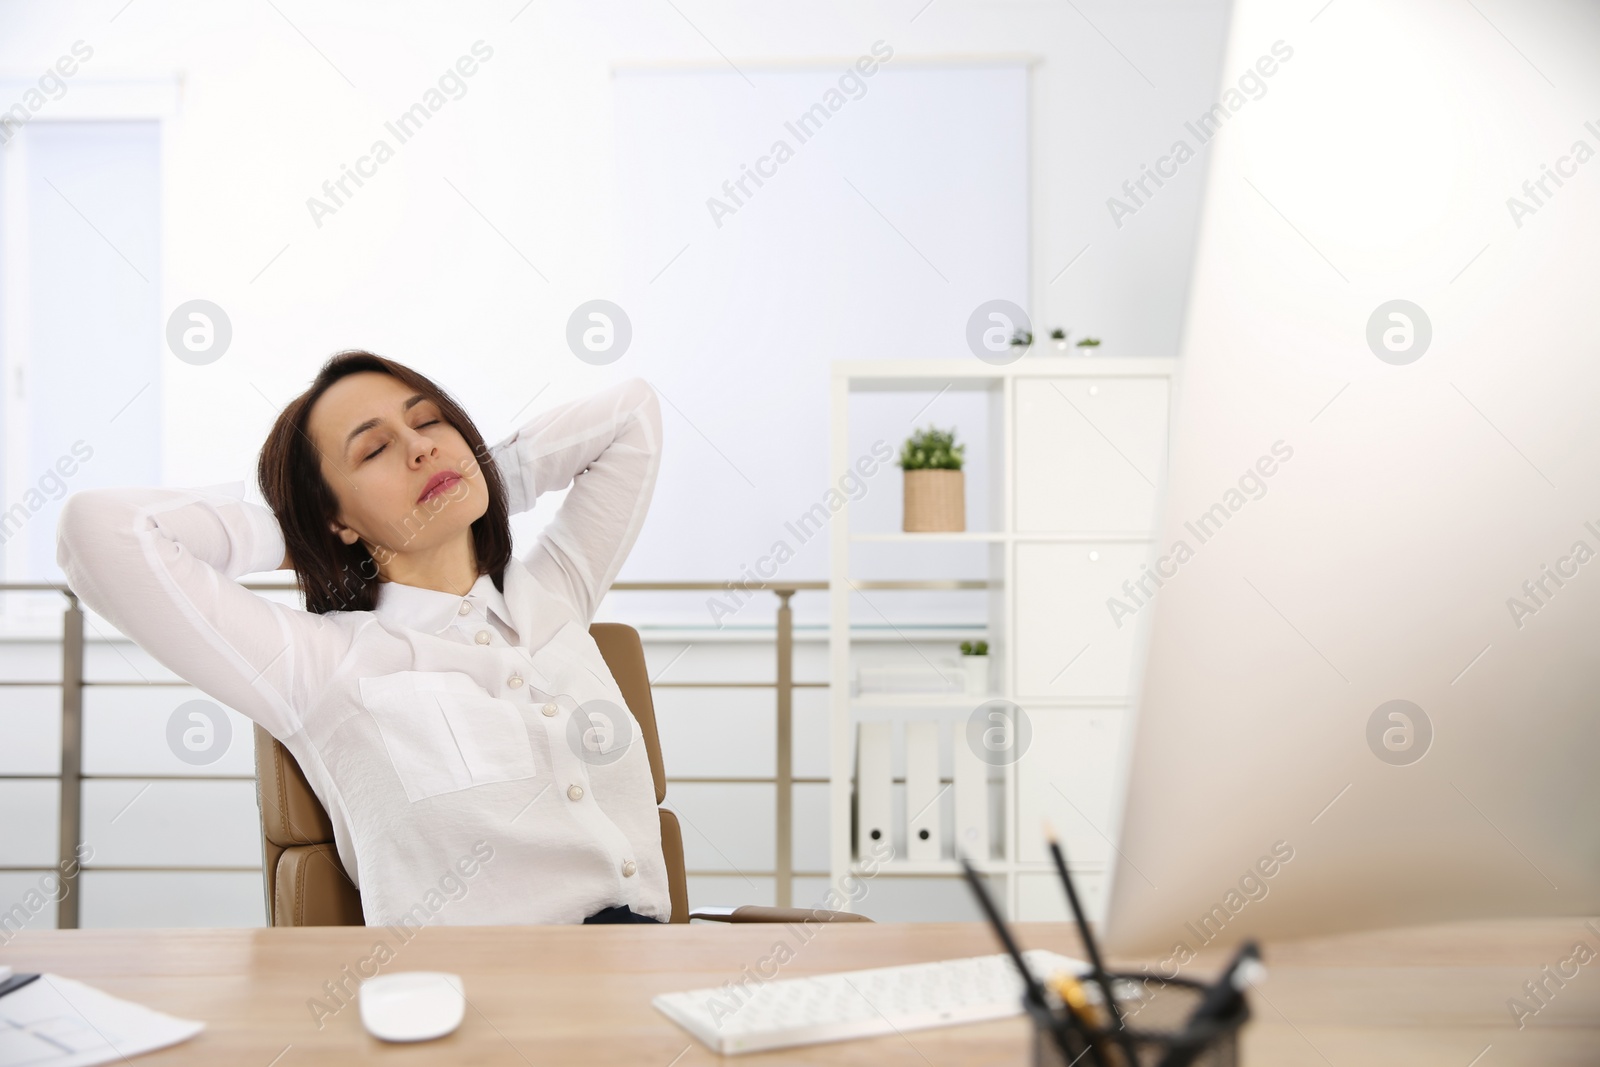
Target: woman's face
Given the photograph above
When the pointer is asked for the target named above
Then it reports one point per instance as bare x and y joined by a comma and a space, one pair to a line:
381, 443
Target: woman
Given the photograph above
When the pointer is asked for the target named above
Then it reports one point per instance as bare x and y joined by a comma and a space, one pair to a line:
444, 698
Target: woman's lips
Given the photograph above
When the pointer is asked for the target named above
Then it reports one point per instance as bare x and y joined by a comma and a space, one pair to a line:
445, 483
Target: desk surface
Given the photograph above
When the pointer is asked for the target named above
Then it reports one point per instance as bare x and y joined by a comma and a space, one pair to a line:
581, 994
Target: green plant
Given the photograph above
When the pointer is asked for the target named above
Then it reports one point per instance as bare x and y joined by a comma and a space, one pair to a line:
932, 449
970, 649
1022, 338
1058, 334
1088, 342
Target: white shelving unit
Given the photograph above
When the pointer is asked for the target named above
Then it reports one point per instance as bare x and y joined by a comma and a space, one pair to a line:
1077, 455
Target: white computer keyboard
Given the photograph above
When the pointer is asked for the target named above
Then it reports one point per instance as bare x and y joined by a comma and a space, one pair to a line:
750, 1015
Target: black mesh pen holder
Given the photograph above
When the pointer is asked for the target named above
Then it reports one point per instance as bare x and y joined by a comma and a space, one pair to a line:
1155, 1013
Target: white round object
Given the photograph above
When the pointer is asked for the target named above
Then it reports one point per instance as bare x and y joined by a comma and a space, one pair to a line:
412, 1005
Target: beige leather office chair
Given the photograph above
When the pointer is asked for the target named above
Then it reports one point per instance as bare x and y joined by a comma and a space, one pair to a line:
307, 886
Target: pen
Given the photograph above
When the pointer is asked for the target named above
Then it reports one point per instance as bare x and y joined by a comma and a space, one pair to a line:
1080, 1011
1070, 990
1222, 999
1080, 1015
14, 982
1034, 992
1097, 969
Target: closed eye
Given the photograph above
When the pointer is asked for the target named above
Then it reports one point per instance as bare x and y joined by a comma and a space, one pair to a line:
381, 447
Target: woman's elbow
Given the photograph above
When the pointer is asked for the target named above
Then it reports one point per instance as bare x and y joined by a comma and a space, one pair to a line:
86, 514
646, 400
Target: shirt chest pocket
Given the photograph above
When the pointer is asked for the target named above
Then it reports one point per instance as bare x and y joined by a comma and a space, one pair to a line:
444, 733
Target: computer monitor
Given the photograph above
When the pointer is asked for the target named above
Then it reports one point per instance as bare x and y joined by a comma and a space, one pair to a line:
1370, 690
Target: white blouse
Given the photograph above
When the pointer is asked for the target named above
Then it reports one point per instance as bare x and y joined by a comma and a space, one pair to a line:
475, 755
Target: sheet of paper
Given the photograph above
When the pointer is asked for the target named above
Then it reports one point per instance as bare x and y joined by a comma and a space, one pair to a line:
60, 1022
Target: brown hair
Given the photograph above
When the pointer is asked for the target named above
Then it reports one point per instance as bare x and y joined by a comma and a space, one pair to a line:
332, 575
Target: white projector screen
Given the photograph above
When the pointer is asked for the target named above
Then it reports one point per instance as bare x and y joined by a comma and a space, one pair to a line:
899, 205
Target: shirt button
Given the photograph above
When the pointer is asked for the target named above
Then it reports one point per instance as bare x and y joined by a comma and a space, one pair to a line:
466, 606
549, 709
515, 681
574, 792
483, 637
628, 867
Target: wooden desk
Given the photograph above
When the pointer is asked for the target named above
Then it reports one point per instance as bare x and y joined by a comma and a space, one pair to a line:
581, 994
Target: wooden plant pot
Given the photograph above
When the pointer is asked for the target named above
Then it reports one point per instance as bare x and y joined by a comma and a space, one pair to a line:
935, 501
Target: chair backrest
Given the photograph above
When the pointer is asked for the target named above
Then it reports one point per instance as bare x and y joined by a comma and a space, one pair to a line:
306, 885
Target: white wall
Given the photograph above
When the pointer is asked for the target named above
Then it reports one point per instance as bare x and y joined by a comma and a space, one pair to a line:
271, 110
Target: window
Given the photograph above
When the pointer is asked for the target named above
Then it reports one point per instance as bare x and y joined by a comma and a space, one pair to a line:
80, 324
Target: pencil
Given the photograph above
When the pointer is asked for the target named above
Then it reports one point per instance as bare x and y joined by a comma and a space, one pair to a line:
1097, 969
1035, 992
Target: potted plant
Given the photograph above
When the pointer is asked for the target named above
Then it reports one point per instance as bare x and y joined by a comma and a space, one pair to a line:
1059, 336
935, 491
1020, 340
975, 656
1087, 345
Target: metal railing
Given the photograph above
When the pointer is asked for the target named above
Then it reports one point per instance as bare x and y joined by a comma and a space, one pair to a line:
72, 775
